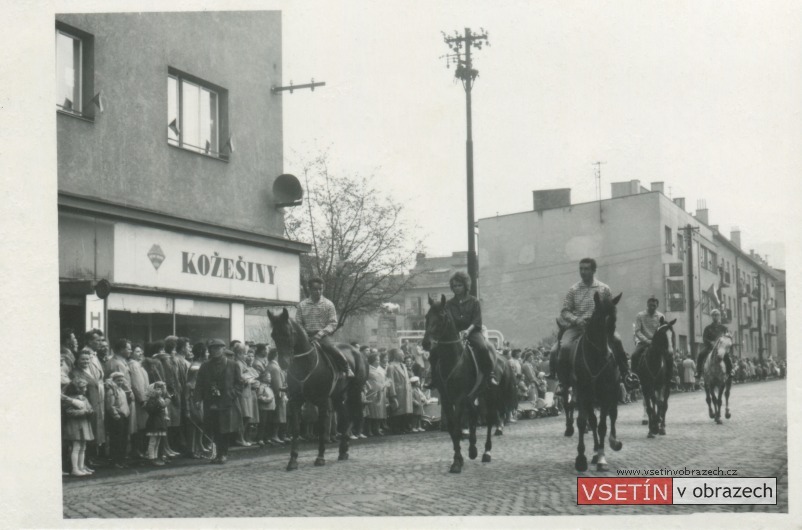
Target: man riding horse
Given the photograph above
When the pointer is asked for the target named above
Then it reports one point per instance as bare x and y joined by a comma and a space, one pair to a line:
577, 308
318, 316
711, 334
646, 323
466, 312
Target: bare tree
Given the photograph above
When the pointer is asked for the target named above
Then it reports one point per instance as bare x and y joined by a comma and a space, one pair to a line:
362, 245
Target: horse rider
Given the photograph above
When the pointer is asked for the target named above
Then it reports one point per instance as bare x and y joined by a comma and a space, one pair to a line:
646, 324
711, 334
466, 312
577, 309
318, 317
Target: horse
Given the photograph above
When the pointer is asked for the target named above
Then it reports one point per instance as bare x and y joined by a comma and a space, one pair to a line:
591, 379
312, 377
655, 377
716, 380
457, 376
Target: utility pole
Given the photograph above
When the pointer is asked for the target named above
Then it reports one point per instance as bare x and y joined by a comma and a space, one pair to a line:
689, 230
598, 187
467, 74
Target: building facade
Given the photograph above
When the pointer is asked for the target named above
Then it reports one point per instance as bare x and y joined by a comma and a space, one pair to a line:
641, 241
170, 162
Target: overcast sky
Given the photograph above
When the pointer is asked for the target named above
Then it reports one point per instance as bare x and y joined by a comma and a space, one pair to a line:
703, 96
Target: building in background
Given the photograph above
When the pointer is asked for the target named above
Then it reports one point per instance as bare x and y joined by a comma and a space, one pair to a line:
170, 162
639, 238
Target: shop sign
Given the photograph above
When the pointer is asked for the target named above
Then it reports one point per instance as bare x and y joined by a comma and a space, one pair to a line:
159, 258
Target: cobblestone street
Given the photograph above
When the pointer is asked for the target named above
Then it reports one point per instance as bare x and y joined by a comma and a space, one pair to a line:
532, 472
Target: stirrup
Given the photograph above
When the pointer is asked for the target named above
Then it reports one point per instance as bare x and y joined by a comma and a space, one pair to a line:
491, 378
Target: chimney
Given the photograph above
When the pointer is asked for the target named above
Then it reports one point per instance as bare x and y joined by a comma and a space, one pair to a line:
680, 201
714, 228
735, 237
657, 186
634, 187
701, 211
547, 199
420, 256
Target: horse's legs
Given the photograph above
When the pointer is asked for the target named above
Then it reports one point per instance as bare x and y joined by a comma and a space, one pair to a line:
581, 462
569, 410
473, 416
666, 391
720, 391
594, 429
322, 430
727, 399
343, 424
455, 429
492, 419
293, 425
601, 462
615, 445
709, 399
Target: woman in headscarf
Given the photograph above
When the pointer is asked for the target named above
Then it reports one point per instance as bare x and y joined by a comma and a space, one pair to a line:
400, 392
375, 396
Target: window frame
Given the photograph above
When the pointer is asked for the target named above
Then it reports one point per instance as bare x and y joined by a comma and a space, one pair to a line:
669, 235
82, 108
220, 119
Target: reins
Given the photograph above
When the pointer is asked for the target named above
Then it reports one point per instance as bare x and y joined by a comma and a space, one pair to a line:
299, 355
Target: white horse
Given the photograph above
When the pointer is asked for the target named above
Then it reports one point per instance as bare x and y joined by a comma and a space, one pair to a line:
716, 380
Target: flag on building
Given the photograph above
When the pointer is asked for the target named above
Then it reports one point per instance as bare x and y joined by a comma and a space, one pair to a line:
230, 144
713, 296
173, 126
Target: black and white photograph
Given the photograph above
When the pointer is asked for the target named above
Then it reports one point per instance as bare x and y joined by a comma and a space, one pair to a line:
352, 263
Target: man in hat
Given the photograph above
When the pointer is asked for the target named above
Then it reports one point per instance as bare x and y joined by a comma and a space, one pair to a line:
216, 388
646, 324
710, 335
318, 316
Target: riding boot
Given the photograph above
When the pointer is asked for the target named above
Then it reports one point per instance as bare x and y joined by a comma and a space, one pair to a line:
553, 355
700, 360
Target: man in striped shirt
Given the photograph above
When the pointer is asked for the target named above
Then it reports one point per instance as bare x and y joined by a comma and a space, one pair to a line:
318, 316
578, 306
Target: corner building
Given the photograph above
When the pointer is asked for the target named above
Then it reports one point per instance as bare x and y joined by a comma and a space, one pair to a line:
170, 185
528, 260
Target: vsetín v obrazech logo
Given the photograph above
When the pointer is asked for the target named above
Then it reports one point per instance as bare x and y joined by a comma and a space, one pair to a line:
667, 490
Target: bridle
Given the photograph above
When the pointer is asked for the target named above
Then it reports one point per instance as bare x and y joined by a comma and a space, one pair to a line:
299, 355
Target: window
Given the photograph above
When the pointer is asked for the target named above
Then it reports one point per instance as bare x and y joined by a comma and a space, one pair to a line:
680, 246
708, 259
196, 115
676, 294
669, 241
74, 71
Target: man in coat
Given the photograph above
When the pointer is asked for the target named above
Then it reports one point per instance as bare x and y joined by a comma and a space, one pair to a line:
216, 387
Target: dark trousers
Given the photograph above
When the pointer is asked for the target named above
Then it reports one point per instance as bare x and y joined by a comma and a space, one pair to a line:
118, 438
483, 357
334, 354
263, 433
222, 441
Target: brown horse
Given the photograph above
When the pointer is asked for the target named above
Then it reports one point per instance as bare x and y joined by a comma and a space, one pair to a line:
592, 377
460, 383
312, 377
655, 377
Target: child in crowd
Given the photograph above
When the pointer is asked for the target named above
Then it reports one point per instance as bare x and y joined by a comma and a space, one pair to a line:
77, 428
158, 419
267, 408
418, 401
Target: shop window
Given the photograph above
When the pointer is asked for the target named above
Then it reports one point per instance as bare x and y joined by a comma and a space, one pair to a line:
139, 318
74, 71
196, 114
201, 320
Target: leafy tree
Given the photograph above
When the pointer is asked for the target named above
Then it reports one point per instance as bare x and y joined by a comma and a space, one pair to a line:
362, 244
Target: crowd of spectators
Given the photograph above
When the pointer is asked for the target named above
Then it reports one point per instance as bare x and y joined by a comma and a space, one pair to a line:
134, 403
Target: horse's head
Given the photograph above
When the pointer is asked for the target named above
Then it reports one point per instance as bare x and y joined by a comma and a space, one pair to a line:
604, 314
284, 334
723, 346
660, 340
439, 325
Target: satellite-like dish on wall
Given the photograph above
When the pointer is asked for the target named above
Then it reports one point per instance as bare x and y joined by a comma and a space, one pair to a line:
287, 191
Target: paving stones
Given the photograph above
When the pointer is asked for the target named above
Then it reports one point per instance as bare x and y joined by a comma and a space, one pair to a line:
532, 471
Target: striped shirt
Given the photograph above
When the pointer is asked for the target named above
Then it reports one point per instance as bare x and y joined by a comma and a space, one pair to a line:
578, 302
315, 317
646, 325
